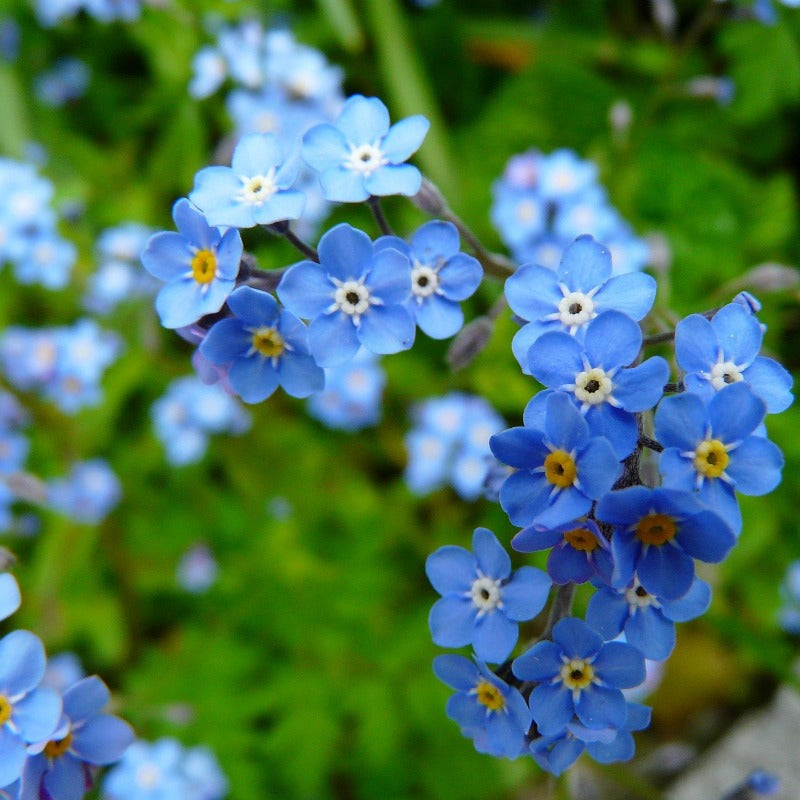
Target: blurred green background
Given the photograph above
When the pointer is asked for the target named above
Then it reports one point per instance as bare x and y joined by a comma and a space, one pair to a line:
307, 667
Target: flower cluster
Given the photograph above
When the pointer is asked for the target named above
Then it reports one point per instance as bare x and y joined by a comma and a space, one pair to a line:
65, 364
189, 411
51, 12
449, 444
29, 238
577, 490
542, 202
165, 770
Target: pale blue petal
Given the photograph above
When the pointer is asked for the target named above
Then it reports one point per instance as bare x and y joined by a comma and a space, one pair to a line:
491, 558
460, 276
771, 382
541, 663
22, 663
706, 537
494, 637
585, 265
650, 633
37, 714
345, 252
738, 333
598, 468
332, 339
451, 569
456, 671
254, 379
324, 147
551, 707
601, 707
451, 620
632, 294
405, 138
65, 780
10, 597
532, 292
524, 496
612, 340
556, 359
734, 414
681, 421
386, 330
640, 388
343, 185
306, 290
694, 603
402, 179
84, 699
607, 613
363, 120
299, 375
755, 466
437, 317
665, 571
696, 346
526, 594
519, 447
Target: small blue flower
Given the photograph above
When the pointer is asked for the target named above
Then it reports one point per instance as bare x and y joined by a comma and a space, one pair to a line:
88, 493
657, 533
353, 297
441, 276
199, 264
361, 155
579, 675
712, 449
148, 772
561, 467
570, 298
254, 190
563, 173
265, 346
489, 711
724, 350
85, 738
580, 552
594, 376
482, 601
29, 713
646, 620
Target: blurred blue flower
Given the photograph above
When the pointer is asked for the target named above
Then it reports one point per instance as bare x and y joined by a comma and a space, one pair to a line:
62, 671
67, 80
360, 155
88, 493
10, 597
482, 600
197, 569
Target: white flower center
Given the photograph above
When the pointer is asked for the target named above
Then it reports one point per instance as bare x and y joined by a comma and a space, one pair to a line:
575, 309
424, 281
725, 373
148, 776
638, 597
485, 593
258, 188
527, 211
365, 158
593, 387
352, 297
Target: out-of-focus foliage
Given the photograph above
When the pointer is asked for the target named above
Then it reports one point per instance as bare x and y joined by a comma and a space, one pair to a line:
306, 667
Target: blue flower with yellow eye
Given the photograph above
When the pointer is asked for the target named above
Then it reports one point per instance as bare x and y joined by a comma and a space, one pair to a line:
482, 600
715, 449
199, 264
724, 350
658, 533
596, 375
560, 468
361, 155
263, 347
579, 675
255, 190
490, 712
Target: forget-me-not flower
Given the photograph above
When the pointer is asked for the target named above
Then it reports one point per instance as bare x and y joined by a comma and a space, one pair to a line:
360, 155
482, 600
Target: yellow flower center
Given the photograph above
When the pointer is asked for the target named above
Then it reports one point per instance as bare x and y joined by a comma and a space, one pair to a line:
490, 696
711, 458
5, 710
559, 469
656, 529
582, 539
56, 748
204, 266
268, 342
577, 674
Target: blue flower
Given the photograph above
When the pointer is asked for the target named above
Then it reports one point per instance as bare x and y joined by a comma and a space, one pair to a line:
199, 264
482, 601
561, 468
723, 351
570, 298
29, 713
88, 493
646, 620
579, 675
10, 598
657, 533
85, 738
580, 552
148, 772
361, 155
562, 174
441, 276
254, 190
353, 297
593, 375
489, 711
712, 449
265, 346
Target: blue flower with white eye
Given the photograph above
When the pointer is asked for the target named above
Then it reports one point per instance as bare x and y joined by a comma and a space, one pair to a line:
724, 350
265, 346
657, 534
562, 174
85, 738
570, 298
596, 376
199, 264
482, 600
519, 214
29, 713
255, 190
715, 449
361, 155
648, 621
354, 296
489, 711
579, 675
441, 276
579, 551
561, 467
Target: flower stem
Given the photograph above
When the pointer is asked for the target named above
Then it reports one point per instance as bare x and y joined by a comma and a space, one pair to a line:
376, 208
282, 229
